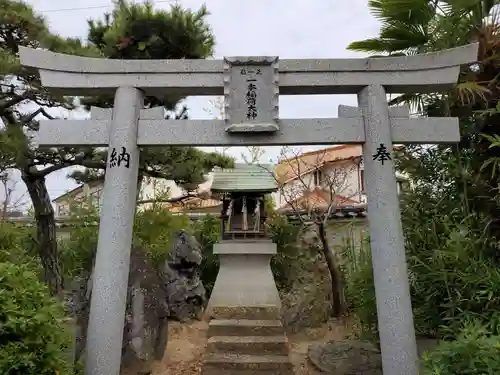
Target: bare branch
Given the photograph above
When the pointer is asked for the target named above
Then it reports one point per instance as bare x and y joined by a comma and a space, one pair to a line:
9, 205
46, 114
7, 103
255, 154
171, 200
218, 108
314, 185
81, 160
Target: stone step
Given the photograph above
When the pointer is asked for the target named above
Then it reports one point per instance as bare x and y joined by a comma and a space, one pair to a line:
255, 345
218, 371
245, 327
247, 313
246, 364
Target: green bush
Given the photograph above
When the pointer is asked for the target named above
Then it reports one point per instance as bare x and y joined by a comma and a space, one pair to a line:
472, 353
77, 252
360, 292
285, 234
285, 262
33, 340
17, 245
207, 233
451, 279
154, 230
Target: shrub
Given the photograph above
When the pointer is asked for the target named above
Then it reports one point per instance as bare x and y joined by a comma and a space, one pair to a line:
153, 231
284, 264
472, 353
77, 252
360, 292
33, 340
17, 245
207, 233
451, 279
155, 228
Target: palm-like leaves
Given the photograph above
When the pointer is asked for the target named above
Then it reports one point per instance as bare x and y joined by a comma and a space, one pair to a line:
410, 26
418, 26
404, 26
422, 25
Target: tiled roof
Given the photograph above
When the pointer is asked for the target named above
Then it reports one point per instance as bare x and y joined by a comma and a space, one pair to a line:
294, 167
244, 178
358, 212
320, 199
71, 193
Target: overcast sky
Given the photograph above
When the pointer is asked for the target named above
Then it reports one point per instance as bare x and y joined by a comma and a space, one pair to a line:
306, 29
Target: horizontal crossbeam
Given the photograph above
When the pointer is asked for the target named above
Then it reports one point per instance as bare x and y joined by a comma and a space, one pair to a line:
156, 113
73, 75
323, 131
417, 130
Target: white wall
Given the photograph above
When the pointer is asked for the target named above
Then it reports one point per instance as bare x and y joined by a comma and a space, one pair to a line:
344, 179
151, 188
293, 190
154, 188
94, 193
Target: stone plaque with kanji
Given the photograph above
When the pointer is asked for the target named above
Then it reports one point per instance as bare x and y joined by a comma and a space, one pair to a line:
251, 91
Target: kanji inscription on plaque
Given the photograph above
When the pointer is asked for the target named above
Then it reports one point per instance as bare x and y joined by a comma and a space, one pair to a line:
251, 91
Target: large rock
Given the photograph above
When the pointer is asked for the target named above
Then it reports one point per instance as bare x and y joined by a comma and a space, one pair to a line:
77, 299
186, 294
175, 292
346, 358
145, 326
351, 357
308, 302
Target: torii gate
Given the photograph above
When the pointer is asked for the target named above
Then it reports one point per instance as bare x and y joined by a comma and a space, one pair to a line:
251, 86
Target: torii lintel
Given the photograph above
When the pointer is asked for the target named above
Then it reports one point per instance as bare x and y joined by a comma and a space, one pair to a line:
74, 75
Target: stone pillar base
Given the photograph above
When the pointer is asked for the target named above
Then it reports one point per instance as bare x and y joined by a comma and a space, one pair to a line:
245, 333
245, 286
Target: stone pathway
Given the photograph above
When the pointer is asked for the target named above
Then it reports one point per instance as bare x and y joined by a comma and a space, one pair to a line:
187, 342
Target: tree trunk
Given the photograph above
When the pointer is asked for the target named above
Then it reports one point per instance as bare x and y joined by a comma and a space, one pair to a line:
140, 179
3, 212
46, 231
338, 296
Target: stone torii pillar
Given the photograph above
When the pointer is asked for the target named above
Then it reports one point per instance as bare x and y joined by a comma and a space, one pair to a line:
251, 86
395, 317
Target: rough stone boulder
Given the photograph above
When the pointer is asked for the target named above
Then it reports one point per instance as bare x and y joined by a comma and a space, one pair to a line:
308, 302
185, 292
145, 326
174, 292
346, 358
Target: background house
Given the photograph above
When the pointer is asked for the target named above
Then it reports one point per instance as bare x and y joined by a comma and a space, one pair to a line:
333, 175
314, 177
151, 189
329, 177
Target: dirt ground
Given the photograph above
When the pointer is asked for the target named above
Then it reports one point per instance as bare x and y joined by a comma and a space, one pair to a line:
186, 345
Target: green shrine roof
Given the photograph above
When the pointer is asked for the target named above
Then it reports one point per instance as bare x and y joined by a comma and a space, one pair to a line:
244, 178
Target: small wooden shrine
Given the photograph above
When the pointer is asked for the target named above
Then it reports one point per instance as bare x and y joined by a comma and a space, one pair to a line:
242, 190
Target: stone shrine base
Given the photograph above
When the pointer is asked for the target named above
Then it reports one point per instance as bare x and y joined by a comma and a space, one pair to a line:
245, 335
